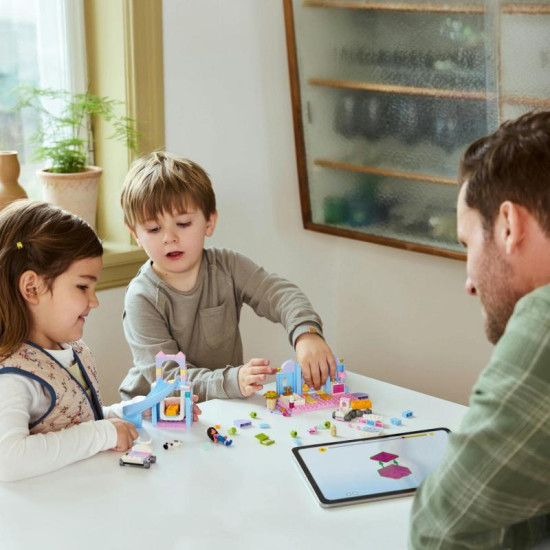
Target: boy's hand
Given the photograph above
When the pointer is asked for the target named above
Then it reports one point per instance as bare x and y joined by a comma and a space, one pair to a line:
315, 358
177, 400
196, 408
253, 374
126, 434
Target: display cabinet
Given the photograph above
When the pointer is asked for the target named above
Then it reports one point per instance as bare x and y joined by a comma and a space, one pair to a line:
387, 95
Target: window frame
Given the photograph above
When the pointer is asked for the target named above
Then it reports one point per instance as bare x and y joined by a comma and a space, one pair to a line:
127, 34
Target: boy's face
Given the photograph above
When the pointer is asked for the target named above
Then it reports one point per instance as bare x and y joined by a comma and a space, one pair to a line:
175, 242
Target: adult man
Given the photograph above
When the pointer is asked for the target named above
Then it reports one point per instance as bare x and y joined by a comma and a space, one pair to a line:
493, 488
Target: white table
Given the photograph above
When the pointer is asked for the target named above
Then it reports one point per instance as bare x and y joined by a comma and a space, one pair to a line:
244, 496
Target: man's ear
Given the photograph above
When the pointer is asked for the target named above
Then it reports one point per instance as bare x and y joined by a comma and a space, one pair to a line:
211, 223
29, 285
511, 225
134, 234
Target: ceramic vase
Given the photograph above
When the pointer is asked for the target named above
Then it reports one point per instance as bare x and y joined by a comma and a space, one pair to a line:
76, 193
10, 190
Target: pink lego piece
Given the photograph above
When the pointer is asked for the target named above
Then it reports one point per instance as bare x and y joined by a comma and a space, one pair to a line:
332, 403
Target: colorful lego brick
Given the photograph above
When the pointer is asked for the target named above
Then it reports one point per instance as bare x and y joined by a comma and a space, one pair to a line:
264, 439
407, 414
242, 423
396, 421
264, 426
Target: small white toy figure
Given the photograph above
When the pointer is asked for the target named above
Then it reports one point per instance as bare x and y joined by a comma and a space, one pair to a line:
169, 445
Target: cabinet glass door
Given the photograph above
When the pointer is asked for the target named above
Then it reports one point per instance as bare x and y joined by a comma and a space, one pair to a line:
386, 97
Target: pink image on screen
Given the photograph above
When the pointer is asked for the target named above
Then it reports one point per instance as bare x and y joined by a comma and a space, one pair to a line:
394, 471
384, 457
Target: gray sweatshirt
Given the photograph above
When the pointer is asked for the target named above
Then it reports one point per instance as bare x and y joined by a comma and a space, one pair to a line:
203, 323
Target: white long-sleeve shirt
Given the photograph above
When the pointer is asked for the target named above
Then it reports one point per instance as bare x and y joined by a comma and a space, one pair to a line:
22, 455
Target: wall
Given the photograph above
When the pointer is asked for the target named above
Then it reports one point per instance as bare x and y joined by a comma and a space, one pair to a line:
397, 316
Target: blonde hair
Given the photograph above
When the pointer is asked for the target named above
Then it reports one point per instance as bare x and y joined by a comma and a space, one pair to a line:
162, 182
40, 237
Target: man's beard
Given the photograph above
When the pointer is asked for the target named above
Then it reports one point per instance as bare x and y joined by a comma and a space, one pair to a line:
496, 294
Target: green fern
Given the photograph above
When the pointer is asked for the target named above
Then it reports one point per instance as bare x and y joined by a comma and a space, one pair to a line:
62, 137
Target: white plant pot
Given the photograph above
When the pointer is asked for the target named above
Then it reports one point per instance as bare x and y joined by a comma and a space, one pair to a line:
76, 193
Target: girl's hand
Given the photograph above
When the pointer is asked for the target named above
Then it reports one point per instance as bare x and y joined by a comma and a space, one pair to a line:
126, 434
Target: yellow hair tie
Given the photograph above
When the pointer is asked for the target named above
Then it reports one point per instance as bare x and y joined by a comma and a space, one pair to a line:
19, 245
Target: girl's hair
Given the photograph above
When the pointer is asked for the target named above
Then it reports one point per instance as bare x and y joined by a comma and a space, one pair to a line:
39, 237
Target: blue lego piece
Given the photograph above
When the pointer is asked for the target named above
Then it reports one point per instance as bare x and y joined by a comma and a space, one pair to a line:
396, 421
407, 414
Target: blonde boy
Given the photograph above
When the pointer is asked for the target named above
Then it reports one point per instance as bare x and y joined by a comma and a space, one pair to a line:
188, 298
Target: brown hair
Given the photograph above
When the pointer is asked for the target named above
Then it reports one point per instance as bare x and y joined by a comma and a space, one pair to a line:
39, 237
162, 182
512, 164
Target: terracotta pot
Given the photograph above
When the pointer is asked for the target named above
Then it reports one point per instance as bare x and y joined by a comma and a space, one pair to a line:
10, 190
76, 193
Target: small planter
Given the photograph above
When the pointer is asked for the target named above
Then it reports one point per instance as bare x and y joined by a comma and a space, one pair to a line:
76, 192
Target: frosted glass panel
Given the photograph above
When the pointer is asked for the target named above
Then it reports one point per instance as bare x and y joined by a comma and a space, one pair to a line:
390, 95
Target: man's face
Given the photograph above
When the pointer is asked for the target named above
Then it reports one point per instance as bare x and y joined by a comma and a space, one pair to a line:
488, 274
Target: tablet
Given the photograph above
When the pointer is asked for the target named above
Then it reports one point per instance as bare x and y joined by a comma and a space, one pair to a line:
361, 470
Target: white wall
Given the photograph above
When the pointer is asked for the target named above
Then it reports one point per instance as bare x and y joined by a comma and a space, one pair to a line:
398, 316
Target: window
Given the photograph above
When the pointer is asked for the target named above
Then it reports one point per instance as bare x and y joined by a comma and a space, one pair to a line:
123, 57
43, 45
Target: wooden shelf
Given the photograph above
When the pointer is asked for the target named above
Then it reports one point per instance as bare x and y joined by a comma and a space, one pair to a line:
467, 9
511, 99
538, 102
382, 172
395, 6
403, 90
526, 9
395, 242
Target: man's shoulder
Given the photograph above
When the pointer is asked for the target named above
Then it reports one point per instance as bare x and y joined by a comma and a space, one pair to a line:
537, 301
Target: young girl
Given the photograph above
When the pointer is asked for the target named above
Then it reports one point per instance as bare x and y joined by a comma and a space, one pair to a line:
51, 412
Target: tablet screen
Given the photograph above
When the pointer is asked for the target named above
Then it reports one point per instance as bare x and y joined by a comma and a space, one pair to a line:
371, 469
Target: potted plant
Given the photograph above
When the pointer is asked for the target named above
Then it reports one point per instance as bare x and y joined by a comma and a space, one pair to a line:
62, 138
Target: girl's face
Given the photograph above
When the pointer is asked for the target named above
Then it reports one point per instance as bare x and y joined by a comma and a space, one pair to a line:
59, 314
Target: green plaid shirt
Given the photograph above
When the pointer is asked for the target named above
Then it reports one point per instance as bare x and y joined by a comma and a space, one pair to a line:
493, 488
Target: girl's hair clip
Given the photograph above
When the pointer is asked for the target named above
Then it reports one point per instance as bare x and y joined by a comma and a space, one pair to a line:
19, 245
